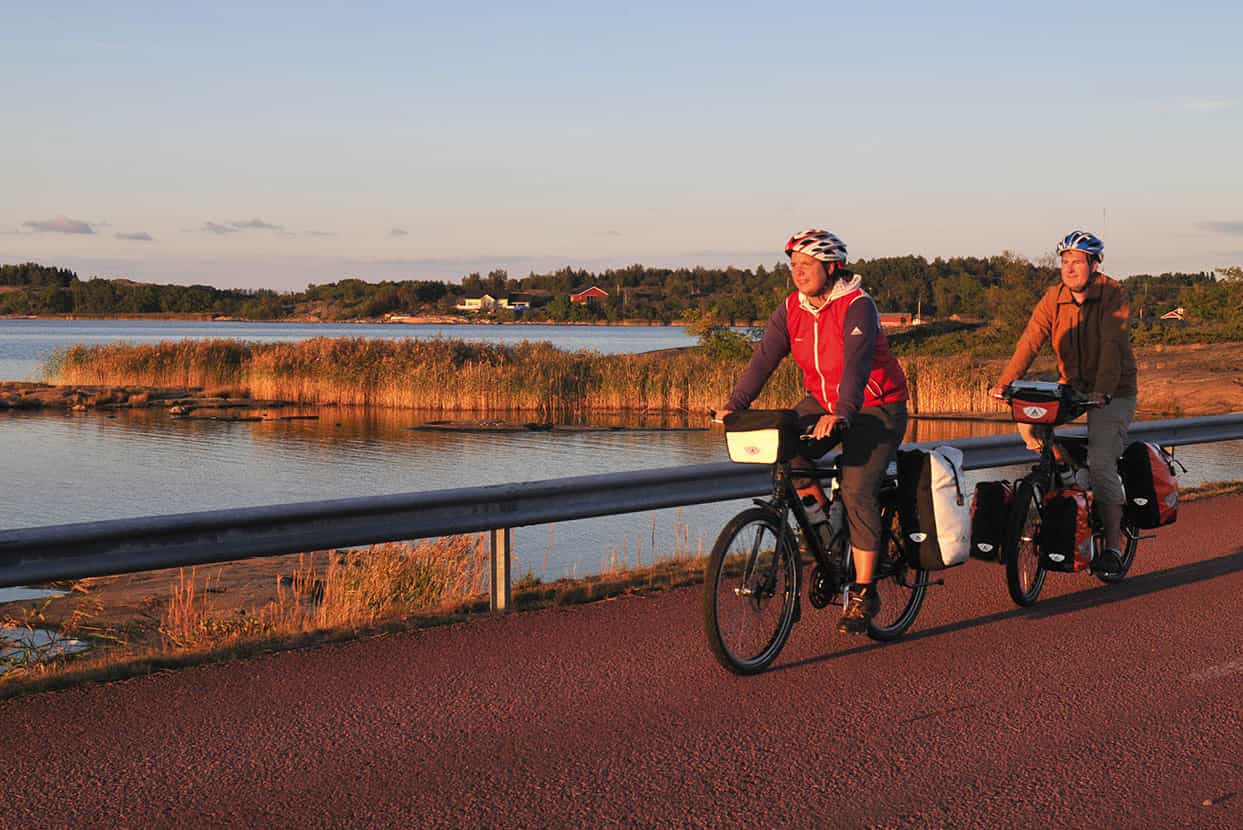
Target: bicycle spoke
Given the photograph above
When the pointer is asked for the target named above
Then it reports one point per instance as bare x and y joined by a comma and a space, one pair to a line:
750, 592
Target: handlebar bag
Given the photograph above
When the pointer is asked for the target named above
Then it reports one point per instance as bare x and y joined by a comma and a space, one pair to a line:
990, 516
1065, 537
762, 436
933, 513
1151, 485
1033, 406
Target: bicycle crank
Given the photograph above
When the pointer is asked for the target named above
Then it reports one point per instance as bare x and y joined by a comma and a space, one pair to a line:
824, 589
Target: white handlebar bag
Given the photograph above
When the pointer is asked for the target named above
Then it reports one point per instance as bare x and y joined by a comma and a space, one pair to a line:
933, 511
762, 436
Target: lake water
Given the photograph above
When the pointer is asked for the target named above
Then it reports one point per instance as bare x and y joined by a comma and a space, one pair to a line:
59, 468
26, 344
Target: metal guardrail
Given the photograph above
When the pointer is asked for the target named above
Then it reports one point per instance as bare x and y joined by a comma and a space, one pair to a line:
74, 551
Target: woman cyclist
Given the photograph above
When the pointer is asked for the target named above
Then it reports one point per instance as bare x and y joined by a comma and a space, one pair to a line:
854, 384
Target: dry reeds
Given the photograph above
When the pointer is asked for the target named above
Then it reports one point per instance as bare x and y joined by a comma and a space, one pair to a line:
356, 589
443, 375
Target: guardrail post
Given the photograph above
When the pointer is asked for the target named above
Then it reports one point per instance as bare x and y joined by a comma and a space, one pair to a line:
502, 541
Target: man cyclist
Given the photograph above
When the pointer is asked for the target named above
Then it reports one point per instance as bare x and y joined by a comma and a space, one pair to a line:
1087, 316
854, 384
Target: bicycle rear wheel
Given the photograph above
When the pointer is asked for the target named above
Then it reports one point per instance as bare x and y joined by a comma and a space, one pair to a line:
1024, 573
751, 591
900, 587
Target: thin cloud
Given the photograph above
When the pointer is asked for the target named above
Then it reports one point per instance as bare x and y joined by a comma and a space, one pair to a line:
399, 232
1233, 228
256, 225
140, 236
321, 234
219, 229
59, 224
608, 233
1208, 104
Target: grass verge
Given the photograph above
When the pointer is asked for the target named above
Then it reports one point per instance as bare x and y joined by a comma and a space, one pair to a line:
198, 616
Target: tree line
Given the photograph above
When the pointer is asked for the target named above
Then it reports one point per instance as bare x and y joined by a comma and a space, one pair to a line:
1001, 289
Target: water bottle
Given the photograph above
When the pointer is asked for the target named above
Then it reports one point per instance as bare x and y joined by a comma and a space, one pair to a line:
837, 517
818, 520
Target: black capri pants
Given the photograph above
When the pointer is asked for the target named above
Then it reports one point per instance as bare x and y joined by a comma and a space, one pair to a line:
868, 446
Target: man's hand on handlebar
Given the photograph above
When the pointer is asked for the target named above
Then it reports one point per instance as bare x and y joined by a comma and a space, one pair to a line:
718, 415
1100, 399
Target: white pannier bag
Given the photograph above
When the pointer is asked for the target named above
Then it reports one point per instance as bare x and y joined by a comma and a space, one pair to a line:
933, 511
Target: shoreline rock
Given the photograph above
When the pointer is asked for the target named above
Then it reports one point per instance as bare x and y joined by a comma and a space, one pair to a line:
179, 401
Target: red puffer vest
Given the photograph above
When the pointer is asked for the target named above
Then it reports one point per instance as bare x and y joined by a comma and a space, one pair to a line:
816, 343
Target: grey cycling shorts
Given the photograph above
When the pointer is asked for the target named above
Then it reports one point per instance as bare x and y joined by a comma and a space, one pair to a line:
1107, 431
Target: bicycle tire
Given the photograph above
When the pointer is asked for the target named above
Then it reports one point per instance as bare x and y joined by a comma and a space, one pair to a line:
750, 591
1024, 574
893, 575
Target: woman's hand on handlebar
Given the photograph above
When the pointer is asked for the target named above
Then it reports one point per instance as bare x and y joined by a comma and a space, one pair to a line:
999, 391
828, 424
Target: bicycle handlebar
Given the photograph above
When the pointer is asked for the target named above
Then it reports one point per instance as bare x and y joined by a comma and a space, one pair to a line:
1074, 397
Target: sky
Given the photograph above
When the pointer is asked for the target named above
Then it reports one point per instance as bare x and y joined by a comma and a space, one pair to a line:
276, 145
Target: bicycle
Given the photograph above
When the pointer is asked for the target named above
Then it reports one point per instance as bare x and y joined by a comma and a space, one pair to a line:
1062, 461
753, 580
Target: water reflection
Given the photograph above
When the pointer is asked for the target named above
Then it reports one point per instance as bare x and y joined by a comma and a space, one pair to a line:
27, 646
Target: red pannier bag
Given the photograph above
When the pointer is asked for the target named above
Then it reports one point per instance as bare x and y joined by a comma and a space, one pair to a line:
990, 517
1065, 531
1151, 485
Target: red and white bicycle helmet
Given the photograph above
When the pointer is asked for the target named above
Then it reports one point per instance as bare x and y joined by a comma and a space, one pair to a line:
818, 243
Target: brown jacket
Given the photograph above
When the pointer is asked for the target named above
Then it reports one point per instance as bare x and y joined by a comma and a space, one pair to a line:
1092, 341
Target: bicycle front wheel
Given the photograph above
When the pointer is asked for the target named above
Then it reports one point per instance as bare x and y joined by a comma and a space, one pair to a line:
900, 587
751, 591
1024, 573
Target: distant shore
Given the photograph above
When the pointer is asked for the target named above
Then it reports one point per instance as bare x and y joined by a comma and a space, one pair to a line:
412, 320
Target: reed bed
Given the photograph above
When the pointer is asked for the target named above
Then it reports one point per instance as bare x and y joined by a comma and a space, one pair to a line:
446, 376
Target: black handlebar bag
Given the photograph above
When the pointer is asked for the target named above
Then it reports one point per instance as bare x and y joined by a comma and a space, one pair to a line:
1042, 403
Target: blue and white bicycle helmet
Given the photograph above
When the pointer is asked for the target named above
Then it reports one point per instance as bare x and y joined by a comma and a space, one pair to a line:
1082, 241
817, 243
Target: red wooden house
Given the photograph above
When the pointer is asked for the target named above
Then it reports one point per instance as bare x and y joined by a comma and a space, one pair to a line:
589, 295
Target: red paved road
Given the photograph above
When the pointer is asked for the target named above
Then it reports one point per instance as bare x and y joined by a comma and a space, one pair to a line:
1100, 707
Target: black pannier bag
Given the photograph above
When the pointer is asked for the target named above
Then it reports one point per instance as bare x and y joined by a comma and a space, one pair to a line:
762, 436
1151, 485
990, 517
1065, 530
934, 516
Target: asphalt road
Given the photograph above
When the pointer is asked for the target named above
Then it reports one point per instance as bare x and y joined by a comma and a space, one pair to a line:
1101, 706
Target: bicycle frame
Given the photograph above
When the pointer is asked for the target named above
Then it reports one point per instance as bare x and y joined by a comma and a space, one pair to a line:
1047, 475
837, 558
